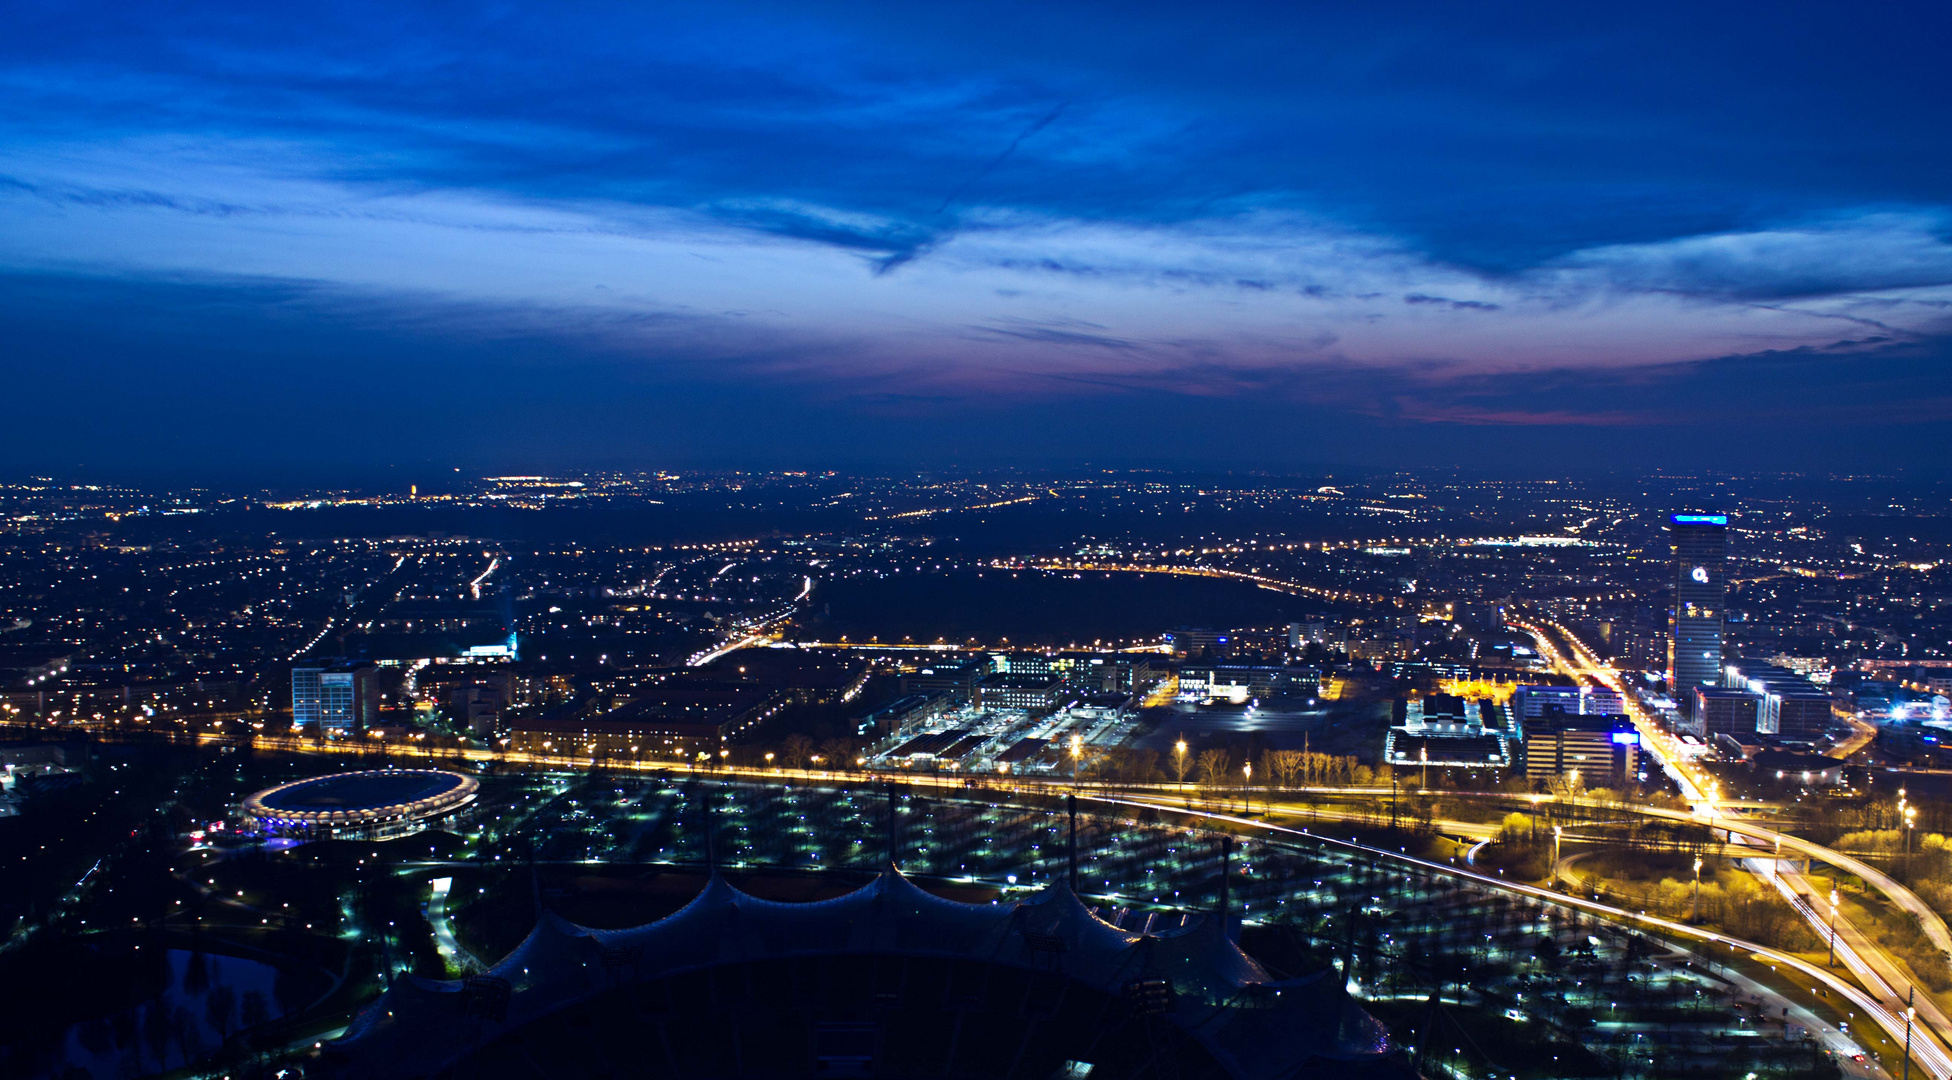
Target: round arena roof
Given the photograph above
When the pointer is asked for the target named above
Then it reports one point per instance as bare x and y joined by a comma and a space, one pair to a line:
357, 799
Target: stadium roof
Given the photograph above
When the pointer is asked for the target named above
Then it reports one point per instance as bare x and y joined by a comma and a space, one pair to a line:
1256, 1026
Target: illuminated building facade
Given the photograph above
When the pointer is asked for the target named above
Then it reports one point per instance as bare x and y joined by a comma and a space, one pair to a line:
680, 721
956, 678
1694, 641
1194, 642
1787, 705
1531, 701
1036, 693
1725, 711
335, 696
1594, 751
1448, 732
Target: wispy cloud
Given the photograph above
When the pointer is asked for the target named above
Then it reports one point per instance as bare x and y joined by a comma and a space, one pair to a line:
1872, 252
1007, 293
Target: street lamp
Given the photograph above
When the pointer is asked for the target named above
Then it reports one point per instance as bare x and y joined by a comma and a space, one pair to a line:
1697, 888
1247, 788
769, 759
1910, 1012
1911, 819
1179, 750
1556, 830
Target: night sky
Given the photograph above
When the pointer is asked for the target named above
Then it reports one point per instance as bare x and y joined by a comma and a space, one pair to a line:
325, 238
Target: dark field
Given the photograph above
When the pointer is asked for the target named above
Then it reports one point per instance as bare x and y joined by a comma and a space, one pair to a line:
1028, 607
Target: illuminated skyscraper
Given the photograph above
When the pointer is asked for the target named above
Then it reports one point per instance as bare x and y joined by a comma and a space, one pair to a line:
335, 695
1694, 638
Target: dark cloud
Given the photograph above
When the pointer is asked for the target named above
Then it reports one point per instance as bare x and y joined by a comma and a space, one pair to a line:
1501, 144
1454, 305
294, 380
1055, 336
797, 224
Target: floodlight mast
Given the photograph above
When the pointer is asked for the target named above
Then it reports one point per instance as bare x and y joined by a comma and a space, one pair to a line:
1071, 843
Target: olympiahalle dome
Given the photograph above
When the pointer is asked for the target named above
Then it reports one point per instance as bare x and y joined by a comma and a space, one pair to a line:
886, 981
367, 803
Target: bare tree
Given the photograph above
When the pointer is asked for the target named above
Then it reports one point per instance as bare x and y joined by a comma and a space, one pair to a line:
1283, 766
1566, 785
219, 1006
187, 1032
155, 1032
1269, 769
196, 973
795, 751
127, 1028
1213, 767
838, 752
256, 1010
290, 992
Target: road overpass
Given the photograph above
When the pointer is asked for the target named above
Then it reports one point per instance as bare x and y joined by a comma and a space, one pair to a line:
1881, 973
1933, 1056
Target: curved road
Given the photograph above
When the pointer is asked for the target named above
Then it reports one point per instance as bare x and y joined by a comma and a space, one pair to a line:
1909, 901
1931, 1055
1860, 956
1873, 964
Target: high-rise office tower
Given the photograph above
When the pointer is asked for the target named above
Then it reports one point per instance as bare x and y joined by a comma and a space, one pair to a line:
335, 695
1694, 637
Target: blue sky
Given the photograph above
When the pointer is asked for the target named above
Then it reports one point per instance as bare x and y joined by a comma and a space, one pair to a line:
1256, 235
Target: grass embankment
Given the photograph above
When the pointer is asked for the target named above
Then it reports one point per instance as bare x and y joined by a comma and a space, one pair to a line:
1659, 881
1731, 900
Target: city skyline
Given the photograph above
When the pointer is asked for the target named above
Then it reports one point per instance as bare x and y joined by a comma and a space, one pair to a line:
836, 236
1174, 739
